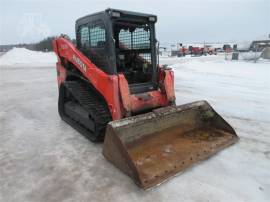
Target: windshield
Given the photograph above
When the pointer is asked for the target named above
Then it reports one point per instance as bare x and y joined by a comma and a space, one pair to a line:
133, 51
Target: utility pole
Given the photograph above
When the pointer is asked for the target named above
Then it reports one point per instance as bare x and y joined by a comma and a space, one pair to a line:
256, 49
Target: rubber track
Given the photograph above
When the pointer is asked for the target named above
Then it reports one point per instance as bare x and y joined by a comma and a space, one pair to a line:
89, 100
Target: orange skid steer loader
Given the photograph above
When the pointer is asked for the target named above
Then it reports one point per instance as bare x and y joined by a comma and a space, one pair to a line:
112, 89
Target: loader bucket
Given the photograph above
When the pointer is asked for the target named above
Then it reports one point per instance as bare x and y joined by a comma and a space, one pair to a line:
152, 147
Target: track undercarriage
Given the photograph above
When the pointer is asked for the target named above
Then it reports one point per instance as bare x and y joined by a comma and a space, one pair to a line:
83, 109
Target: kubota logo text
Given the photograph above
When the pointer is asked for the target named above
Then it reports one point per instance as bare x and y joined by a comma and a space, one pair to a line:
79, 62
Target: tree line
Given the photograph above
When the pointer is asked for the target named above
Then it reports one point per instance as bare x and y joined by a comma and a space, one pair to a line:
44, 45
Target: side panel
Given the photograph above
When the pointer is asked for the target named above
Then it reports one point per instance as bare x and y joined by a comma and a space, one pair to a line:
103, 54
169, 85
106, 85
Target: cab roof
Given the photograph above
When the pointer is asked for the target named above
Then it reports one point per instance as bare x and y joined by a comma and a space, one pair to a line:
123, 12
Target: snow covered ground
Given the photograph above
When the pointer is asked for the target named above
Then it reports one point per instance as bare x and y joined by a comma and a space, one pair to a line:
24, 57
43, 159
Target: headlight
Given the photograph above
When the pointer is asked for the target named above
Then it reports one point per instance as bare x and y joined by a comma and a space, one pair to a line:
152, 19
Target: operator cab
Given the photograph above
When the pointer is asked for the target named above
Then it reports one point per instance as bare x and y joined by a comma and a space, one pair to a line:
124, 42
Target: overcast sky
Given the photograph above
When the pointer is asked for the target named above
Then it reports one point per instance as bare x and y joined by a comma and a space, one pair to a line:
24, 21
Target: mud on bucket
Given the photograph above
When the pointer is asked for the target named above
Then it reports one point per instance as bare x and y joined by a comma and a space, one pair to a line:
155, 146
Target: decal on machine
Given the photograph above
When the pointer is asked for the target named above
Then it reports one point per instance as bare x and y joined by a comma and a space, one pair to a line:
79, 62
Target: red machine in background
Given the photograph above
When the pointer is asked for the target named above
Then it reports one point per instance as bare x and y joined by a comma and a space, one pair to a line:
196, 51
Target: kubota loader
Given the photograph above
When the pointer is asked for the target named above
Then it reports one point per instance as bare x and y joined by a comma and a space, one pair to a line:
111, 88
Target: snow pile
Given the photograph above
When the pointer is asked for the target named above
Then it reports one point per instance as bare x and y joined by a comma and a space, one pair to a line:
250, 55
24, 57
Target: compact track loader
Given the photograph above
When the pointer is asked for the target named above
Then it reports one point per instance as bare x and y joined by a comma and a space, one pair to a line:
112, 89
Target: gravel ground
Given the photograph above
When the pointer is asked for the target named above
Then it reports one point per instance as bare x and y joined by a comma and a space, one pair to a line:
43, 159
